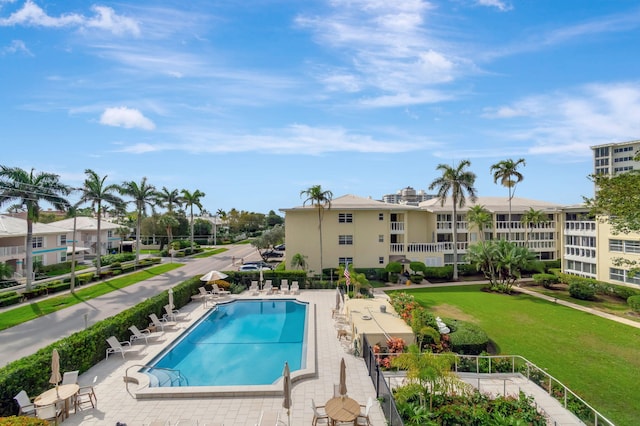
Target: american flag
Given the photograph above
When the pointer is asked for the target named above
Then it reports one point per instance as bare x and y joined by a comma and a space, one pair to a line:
347, 275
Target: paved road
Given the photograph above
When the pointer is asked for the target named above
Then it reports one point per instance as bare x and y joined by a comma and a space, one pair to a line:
25, 339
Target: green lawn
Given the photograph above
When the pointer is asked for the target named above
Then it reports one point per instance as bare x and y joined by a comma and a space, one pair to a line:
209, 253
596, 358
46, 306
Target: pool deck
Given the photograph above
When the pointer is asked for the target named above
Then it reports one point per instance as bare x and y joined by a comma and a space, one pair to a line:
116, 404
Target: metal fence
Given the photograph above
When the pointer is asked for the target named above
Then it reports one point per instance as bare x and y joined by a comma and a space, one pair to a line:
383, 390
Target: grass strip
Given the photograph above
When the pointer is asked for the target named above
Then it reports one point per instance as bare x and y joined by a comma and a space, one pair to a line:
595, 357
43, 307
209, 253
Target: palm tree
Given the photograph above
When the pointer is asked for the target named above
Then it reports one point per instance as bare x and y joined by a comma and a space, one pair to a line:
321, 200
143, 195
457, 181
191, 199
169, 198
96, 192
507, 172
532, 218
480, 217
298, 261
29, 189
169, 221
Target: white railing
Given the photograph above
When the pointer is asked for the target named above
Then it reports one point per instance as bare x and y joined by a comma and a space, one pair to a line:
461, 226
397, 226
11, 250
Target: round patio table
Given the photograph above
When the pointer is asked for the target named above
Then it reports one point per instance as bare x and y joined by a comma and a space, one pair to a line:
342, 409
62, 393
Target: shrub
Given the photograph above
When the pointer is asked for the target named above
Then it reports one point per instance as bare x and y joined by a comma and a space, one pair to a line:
22, 421
546, 280
582, 291
439, 273
634, 303
10, 298
467, 338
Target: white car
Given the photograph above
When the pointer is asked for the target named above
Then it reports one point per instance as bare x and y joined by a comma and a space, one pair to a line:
253, 267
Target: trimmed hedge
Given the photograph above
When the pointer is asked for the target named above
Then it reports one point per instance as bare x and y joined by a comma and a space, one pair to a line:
466, 338
83, 349
634, 303
546, 280
10, 298
582, 291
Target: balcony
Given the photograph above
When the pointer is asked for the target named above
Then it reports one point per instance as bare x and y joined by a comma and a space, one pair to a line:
444, 226
397, 227
443, 247
11, 251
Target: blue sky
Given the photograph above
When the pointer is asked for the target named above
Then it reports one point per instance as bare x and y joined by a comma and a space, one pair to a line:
253, 101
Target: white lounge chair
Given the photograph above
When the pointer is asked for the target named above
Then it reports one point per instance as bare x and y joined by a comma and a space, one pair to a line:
160, 324
217, 291
294, 287
145, 334
175, 315
284, 286
25, 404
269, 418
254, 288
116, 346
268, 287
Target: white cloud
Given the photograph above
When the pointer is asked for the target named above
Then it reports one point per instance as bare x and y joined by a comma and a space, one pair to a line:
14, 47
126, 117
498, 4
105, 18
571, 121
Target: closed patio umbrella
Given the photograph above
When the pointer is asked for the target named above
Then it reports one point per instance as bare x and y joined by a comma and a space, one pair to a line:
171, 305
261, 277
342, 387
286, 403
55, 369
338, 299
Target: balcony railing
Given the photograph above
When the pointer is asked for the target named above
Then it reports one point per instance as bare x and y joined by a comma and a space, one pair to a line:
397, 226
443, 247
11, 251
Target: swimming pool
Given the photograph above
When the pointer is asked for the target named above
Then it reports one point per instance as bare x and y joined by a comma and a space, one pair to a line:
243, 342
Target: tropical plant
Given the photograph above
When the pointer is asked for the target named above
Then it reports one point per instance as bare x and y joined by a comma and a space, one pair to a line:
321, 200
30, 189
531, 219
191, 199
506, 171
455, 181
500, 261
480, 217
169, 198
6, 271
95, 192
143, 195
298, 261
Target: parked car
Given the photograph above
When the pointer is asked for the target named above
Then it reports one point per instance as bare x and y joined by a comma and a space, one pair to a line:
253, 267
271, 253
279, 247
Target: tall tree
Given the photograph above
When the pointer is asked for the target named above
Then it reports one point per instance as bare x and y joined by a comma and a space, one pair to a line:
169, 198
143, 195
192, 199
506, 171
455, 181
532, 219
321, 200
480, 217
98, 194
29, 189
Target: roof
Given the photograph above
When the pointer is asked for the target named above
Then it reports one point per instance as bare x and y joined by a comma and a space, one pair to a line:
350, 201
85, 223
493, 204
15, 227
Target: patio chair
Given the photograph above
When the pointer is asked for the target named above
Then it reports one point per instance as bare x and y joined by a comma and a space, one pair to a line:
284, 286
49, 413
25, 404
320, 417
363, 418
70, 377
85, 396
254, 288
268, 287
175, 315
215, 290
294, 287
160, 324
116, 346
145, 334
269, 418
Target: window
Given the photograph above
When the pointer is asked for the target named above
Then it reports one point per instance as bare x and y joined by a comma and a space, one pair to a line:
380, 216
63, 256
381, 260
345, 260
37, 242
615, 245
345, 218
632, 246
63, 240
110, 233
345, 240
381, 238
616, 274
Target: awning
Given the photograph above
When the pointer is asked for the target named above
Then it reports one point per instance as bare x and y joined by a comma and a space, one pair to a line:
78, 249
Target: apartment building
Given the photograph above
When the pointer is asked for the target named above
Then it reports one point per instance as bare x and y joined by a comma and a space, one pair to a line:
369, 233
614, 158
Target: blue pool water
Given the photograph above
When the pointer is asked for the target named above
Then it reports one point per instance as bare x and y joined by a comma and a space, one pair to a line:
244, 342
